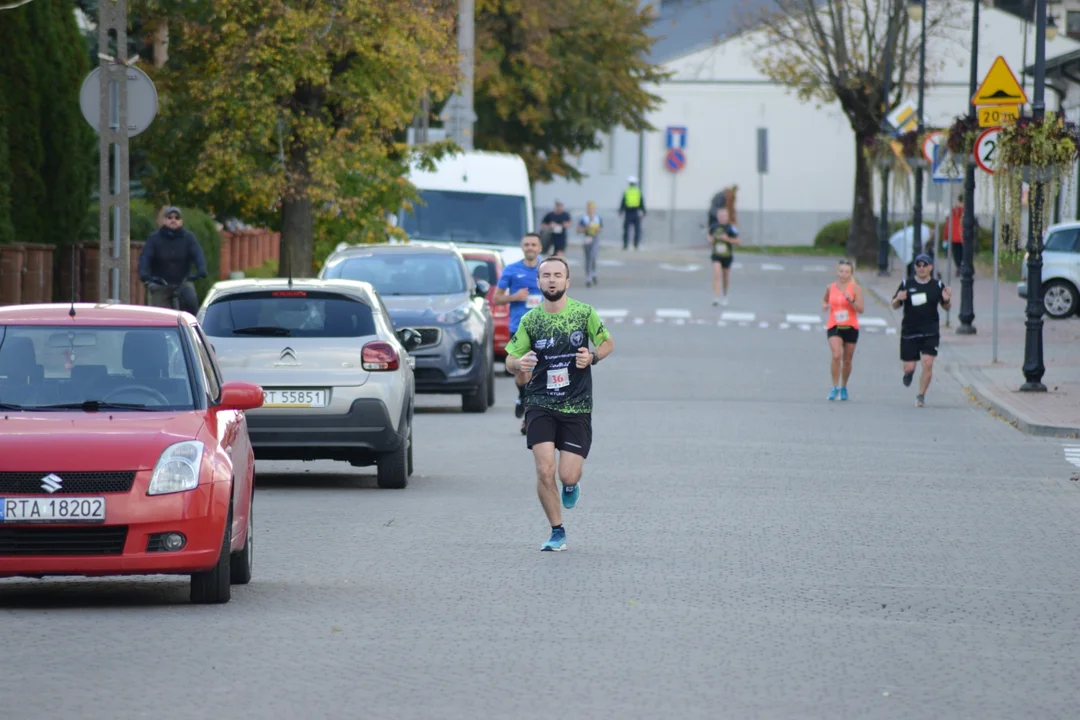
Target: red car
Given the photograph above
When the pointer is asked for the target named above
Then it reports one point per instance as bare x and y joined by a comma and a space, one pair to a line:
487, 265
122, 452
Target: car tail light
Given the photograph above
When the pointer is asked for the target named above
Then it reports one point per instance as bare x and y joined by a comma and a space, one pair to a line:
379, 356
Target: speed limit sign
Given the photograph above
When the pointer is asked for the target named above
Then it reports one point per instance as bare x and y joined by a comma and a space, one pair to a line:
986, 149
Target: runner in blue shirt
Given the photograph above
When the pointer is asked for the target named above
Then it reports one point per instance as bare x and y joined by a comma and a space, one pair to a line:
518, 288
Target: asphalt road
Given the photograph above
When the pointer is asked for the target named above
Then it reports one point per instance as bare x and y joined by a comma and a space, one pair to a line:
742, 548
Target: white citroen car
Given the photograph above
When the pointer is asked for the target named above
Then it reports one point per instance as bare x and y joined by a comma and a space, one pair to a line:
1060, 271
337, 379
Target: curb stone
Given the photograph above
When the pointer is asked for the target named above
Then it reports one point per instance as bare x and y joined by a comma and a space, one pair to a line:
1015, 418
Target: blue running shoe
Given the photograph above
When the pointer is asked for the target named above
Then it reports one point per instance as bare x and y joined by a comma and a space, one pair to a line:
833, 393
557, 543
570, 495
843, 393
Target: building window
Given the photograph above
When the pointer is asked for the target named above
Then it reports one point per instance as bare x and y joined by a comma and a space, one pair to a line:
607, 154
1072, 24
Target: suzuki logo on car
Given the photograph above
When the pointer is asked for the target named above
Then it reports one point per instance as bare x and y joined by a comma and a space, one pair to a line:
51, 483
288, 359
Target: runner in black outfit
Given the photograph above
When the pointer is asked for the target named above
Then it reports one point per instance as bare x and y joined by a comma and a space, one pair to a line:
920, 329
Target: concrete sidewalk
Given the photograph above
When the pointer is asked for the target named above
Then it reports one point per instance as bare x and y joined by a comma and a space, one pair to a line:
995, 385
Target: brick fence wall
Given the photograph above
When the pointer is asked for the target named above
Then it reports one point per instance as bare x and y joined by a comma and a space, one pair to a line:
35, 273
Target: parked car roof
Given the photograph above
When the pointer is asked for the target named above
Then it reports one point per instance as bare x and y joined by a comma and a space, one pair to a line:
109, 314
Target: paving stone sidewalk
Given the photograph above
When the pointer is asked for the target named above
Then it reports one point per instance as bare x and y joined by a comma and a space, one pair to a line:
995, 385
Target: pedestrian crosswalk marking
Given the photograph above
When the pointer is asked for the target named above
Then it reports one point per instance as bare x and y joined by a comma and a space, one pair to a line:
792, 318
876, 321
815, 268
738, 316
605, 313
784, 326
639, 321
763, 324
673, 313
1072, 454
771, 266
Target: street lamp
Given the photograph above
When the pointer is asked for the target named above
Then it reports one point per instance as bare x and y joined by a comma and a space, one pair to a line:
967, 266
916, 10
883, 221
1051, 28
1033, 340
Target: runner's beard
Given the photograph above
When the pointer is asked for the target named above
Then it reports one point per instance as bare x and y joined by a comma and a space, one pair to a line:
554, 296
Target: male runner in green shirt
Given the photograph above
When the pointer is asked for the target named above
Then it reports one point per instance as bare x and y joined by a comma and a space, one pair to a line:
552, 343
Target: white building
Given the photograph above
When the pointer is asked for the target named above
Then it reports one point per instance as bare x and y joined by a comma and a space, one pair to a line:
721, 99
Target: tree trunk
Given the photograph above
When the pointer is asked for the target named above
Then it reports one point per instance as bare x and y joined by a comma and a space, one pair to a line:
297, 238
862, 243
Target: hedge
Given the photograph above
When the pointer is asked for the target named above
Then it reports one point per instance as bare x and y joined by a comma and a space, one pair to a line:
144, 223
835, 234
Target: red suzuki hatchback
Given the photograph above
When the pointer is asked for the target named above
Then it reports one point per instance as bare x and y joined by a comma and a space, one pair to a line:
487, 265
121, 450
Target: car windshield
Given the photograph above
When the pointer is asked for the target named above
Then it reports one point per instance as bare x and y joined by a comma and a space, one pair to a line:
482, 269
122, 368
464, 217
288, 313
399, 273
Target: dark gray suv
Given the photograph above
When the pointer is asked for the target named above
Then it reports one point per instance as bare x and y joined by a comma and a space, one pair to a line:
430, 290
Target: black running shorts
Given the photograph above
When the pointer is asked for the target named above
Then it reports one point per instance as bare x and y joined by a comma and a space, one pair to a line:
913, 347
849, 335
571, 432
724, 260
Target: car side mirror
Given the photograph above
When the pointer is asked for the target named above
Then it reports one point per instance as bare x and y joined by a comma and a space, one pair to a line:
482, 288
237, 395
409, 338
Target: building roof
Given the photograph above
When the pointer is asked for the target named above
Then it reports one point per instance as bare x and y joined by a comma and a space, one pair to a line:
685, 26
1061, 62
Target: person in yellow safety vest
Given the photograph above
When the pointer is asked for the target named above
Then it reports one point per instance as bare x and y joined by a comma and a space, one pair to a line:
632, 209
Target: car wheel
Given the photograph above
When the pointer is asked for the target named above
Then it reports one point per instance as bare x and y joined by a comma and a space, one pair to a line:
243, 559
393, 468
477, 401
1059, 299
409, 461
213, 587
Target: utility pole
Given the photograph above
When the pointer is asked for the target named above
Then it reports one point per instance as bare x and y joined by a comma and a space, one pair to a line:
458, 115
114, 256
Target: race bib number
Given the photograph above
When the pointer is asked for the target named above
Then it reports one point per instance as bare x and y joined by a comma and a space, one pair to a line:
918, 299
722, 248
841, 316
557, 379
533, 301
557, 229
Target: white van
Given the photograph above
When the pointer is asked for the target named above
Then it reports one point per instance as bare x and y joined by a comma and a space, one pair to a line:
473, 198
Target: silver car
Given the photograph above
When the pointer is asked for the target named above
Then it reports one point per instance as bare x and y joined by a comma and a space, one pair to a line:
337, 379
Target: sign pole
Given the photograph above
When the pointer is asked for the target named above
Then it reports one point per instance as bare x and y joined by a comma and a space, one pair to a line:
952, 245
671, 214
114, 219
762, 168
997, 235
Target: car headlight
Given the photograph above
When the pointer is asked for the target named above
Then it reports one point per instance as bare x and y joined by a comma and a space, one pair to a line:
456, 315
177, 469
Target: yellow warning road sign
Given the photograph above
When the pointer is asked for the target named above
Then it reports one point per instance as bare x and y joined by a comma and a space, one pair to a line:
999, 87
997, 115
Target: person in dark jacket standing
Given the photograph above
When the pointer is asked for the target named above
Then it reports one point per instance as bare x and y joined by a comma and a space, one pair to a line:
167, 258
632, 209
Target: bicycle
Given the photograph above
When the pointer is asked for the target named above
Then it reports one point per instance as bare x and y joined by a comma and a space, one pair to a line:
158, 283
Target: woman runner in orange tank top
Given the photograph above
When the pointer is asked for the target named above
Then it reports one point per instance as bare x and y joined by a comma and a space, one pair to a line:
843, 302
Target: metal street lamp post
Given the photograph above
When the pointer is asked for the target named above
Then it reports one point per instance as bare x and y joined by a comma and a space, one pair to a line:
883, 220
1033, 340
967, 267
917, 12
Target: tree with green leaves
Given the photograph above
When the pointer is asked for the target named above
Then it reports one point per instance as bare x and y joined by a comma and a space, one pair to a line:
552, 75
837, 51
288, 112
20, 105
7, 229
49, 149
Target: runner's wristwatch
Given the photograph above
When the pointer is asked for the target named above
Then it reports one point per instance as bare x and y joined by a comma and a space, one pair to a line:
595, 359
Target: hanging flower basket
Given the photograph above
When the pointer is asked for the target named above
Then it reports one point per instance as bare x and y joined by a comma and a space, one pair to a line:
879, 152
1038, 152
960, 140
